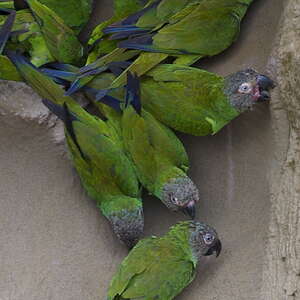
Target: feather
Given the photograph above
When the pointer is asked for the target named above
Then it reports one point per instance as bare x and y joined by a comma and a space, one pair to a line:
133, 92
6, 28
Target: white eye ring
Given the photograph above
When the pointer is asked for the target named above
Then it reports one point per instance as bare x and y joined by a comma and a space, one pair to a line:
245, 88
174, 199
208, 238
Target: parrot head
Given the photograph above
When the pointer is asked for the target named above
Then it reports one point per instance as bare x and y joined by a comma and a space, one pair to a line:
181, 194
128, 224
204, 240
247, 87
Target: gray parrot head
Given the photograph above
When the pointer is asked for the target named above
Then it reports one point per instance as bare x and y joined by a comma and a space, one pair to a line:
204, 240
247, 87
128, 225
181, 194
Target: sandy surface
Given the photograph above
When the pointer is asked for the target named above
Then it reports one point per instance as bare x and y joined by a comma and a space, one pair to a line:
54, 243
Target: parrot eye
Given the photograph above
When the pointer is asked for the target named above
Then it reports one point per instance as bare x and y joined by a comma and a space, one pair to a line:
208, 238
174, 199
245, 88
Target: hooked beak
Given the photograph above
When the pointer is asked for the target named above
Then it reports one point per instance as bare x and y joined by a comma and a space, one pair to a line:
264, 84
190, 210
217, 247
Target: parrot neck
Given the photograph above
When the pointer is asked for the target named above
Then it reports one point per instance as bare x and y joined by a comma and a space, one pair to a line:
181, 234
165, 177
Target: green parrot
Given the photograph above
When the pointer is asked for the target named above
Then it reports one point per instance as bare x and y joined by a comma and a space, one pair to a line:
198, 102
192, 100
201, 27
160, 268
61, 40
186, 30
159, 157
105, 171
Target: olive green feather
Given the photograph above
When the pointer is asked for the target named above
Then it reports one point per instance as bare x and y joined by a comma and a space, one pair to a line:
105, 171
75, 13
159, 268
60, 39
187, 99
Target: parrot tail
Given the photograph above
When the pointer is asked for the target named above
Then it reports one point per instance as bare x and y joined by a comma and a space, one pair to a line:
145, 43
133, 92
81, 80
6, 28
63, 113
127, 27
60, 77
101, 95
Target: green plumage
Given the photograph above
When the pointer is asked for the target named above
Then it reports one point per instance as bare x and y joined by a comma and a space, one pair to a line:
160, 268
7, 4
159, 157
158, 154
75, 13
105, 171
60, 39
122, 8
201, 27
187, 99
7, 70
28, 40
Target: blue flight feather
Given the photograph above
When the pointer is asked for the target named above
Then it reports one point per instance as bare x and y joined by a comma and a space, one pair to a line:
6, 28
133, 92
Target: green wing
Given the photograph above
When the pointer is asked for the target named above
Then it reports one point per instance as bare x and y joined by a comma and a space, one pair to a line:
109, 170
155, 150
136, 142
60, 39
154, 269
198, 27
209, 27
187, 99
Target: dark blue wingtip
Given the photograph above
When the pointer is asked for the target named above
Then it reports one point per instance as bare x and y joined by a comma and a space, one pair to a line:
75, 86
6, 28
118, 67
112, 102
144, 43
133, 92
19, 60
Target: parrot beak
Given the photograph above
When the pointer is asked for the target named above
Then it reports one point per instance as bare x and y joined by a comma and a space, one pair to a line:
190, 210
264, 84
217, 247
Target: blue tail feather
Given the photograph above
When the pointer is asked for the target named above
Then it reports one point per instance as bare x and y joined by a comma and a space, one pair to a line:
63, 67
133, 92
6, 28
18, 60
65, 75
101, 95
63, 113
83, 79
